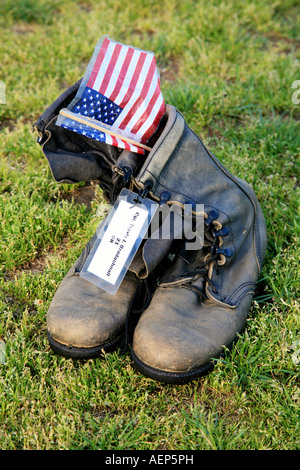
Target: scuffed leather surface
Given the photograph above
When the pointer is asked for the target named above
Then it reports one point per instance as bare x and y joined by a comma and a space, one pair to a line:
61, 102
180, 331
191, 173
177, 333
72, 157
83, 316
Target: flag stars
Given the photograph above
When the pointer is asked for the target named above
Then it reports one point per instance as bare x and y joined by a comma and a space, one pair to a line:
95, 106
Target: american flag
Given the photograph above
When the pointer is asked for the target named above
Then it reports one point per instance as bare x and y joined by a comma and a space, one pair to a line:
121, 89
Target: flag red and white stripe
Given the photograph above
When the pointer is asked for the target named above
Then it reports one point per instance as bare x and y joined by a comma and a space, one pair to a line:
129, 77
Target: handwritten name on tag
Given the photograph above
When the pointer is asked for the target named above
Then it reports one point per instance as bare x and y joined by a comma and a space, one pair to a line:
118, 241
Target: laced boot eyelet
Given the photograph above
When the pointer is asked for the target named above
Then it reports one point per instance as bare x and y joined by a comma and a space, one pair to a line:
143, 192
224, 251
127, 173
164, 197
189, 206
211, 216
221, 233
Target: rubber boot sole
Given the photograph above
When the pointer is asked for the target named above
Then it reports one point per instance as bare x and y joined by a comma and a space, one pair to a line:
178, 378
85, 353
170, 377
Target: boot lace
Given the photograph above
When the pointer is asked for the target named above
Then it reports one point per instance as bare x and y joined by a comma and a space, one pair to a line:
213, 254
121, 181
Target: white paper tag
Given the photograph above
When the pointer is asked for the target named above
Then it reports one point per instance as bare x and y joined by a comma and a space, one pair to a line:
118, 241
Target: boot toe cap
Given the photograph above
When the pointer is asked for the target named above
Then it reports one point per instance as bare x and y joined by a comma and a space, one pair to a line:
83, 316
182, 338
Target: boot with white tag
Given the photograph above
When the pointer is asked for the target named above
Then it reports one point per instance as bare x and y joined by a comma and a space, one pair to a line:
98, 303
203, 298
96, 306
83, 320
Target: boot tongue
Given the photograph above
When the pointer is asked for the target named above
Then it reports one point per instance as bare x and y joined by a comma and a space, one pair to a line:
185, 267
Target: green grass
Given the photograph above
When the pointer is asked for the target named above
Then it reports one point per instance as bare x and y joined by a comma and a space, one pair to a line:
229, 67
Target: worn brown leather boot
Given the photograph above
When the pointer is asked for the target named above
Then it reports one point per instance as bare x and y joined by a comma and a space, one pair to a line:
82, 320
177, 336
203, 299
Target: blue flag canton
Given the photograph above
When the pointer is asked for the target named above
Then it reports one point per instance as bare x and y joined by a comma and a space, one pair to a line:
96, 106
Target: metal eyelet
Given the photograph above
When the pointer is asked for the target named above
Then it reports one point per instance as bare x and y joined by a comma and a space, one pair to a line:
211, 216
164, 197
221, 233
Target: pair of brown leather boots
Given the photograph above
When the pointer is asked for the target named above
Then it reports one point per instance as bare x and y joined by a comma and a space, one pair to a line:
177, 308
